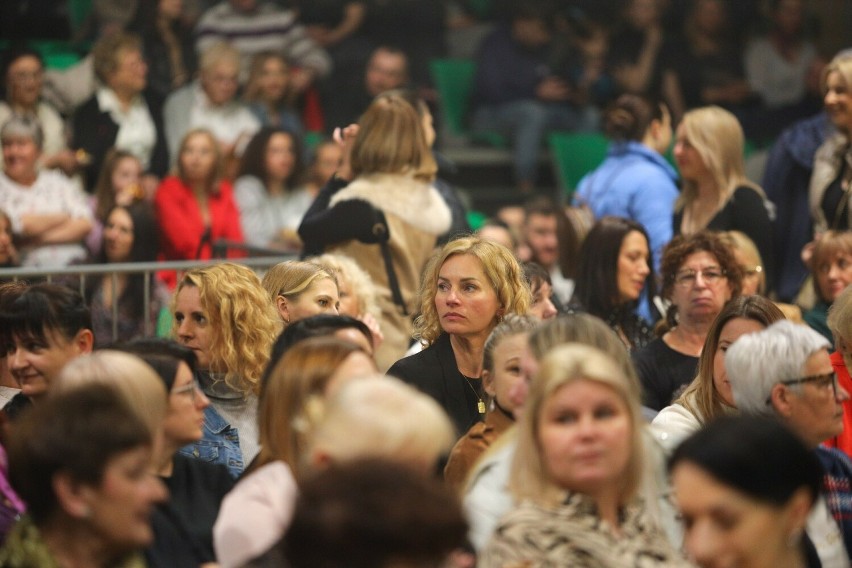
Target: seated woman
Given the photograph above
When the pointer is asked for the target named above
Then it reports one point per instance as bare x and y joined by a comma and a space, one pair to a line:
22, 73
467, 289
358, 295
122, 113
196, 488
570, 514
396, 519
699, 275
49, 215
211, 103
118, 184
130, 235
301, 289
541, 290
635, 181
840, 324
742, 464
716, 194
709, 396
831, 266
271, 206
269, 94
254, 515
501, 371
196, 207
615, 269
67, 459
785, 372
487, 496
224, 315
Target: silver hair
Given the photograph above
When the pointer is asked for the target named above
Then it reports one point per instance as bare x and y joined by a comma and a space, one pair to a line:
23, 126
758, 361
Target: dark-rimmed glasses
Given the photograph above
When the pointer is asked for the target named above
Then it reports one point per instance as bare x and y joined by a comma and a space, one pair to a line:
820, 381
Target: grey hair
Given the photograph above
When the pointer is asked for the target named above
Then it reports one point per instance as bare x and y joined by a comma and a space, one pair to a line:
758, 361
23, 126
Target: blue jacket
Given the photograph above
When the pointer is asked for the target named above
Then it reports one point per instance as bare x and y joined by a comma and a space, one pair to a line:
637, 183
786, 180
220, 444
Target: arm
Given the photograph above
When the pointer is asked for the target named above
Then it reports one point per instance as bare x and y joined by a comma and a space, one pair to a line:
70, 231
32, 226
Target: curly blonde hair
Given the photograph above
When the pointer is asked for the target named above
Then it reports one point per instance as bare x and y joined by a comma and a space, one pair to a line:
502, 269
243, 321
345, 268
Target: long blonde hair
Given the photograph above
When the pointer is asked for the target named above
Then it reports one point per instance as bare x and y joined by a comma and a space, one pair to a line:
243, 321
564, 365
718, 138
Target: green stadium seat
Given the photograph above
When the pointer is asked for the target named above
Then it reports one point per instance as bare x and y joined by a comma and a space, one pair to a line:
574, 155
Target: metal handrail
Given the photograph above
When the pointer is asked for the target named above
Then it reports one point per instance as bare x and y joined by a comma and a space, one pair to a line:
145, 268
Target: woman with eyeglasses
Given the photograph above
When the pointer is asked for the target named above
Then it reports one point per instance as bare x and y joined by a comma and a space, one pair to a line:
700, 275
196, 488
785, 372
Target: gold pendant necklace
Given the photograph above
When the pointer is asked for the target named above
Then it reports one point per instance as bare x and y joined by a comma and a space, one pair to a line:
480, 405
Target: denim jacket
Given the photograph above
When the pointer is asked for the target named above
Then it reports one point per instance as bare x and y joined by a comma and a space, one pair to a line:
219, 444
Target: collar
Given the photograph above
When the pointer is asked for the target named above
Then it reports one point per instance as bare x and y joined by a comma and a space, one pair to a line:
108, 101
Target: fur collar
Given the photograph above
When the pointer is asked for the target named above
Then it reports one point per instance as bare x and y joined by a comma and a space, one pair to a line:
415, 202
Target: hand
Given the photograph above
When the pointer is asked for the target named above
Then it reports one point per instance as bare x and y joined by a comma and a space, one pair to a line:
375, 330
345, 138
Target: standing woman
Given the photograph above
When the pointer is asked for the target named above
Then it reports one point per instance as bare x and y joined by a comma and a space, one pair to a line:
716, 193
577, 470
224, 315
635, 181
614, 269
467, 289
271, 206
392, 203
700, 275
196, 207
828, 193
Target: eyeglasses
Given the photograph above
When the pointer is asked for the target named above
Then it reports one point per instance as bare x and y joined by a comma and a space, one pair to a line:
826, 381
192, 389
687, 278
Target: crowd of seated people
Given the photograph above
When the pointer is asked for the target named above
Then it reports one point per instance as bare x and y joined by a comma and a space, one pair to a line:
603, 383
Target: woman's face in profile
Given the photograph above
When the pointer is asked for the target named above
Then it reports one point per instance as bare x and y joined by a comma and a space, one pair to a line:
725, 527
633, 267
731, 331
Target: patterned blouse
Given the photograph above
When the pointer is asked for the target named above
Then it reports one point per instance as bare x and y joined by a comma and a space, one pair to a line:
572, 534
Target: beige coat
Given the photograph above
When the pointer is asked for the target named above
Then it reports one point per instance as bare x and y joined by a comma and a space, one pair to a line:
416, 216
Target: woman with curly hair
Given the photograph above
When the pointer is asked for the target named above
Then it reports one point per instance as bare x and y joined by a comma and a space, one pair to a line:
223, 314
467, 288
700, 275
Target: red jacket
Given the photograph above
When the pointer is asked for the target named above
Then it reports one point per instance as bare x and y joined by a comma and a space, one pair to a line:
181, 226
842, 441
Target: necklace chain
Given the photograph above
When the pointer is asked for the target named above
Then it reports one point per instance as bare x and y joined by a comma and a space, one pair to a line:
480, 405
